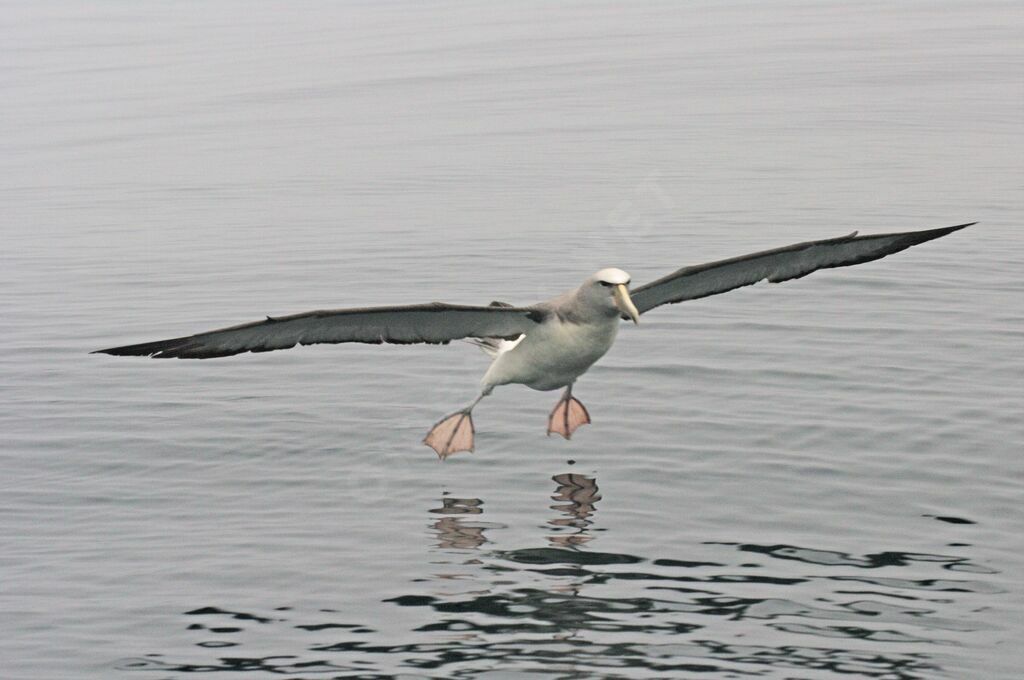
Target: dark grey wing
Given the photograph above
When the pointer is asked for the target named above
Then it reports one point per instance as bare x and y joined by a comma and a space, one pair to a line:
431, 323
781, 264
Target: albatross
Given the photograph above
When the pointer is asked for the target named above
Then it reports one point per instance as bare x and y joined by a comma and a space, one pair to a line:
545, 346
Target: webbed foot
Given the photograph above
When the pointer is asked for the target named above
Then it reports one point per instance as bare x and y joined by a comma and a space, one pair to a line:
452, 434
568, 415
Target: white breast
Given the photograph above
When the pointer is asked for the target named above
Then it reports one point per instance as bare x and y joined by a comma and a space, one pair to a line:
554, 354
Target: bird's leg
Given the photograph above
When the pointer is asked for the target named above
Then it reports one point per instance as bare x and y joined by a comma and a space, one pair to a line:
454, 432
569, 413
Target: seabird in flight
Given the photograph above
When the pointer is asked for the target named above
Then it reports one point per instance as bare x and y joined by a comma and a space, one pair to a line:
545, 346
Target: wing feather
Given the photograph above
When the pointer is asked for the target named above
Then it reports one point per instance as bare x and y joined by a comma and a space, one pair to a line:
435, 323
780, 264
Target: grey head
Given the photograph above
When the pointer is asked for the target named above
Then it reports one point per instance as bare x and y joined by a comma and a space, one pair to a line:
607, 290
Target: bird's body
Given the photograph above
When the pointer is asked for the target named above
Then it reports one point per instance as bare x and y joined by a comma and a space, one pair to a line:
555, 355
545, 346
560, 349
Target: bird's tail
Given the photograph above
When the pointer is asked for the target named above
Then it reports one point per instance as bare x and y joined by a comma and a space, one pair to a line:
494, 347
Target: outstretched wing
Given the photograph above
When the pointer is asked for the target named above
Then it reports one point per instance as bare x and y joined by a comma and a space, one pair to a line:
430, 323
781, 264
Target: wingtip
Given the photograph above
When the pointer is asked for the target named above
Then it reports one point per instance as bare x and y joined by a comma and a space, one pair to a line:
929, 234
128, 351
112, 351
942, 231
116, 351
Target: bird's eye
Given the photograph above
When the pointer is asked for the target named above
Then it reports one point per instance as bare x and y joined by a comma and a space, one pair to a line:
605, 284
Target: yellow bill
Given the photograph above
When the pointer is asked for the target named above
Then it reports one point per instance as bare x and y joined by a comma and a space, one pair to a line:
625, 303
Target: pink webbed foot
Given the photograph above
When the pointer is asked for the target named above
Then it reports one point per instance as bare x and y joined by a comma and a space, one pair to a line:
451, 434
569, 414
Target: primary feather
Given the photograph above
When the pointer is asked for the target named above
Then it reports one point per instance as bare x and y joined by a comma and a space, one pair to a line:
435, 323
780, 264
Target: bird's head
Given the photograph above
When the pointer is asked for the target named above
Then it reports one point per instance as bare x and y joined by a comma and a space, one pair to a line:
610, 288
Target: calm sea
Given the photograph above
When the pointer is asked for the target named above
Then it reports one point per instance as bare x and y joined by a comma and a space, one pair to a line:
816, 480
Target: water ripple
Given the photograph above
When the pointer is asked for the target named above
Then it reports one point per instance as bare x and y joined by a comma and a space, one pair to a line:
565, 608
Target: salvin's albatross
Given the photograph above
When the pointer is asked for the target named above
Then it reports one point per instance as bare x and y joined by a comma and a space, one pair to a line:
545, 346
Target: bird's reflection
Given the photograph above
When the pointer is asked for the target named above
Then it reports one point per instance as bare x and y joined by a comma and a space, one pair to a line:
556, 606
453, 532
579, 494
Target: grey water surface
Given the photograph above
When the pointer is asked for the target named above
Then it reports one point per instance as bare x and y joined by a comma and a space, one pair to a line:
816, 480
